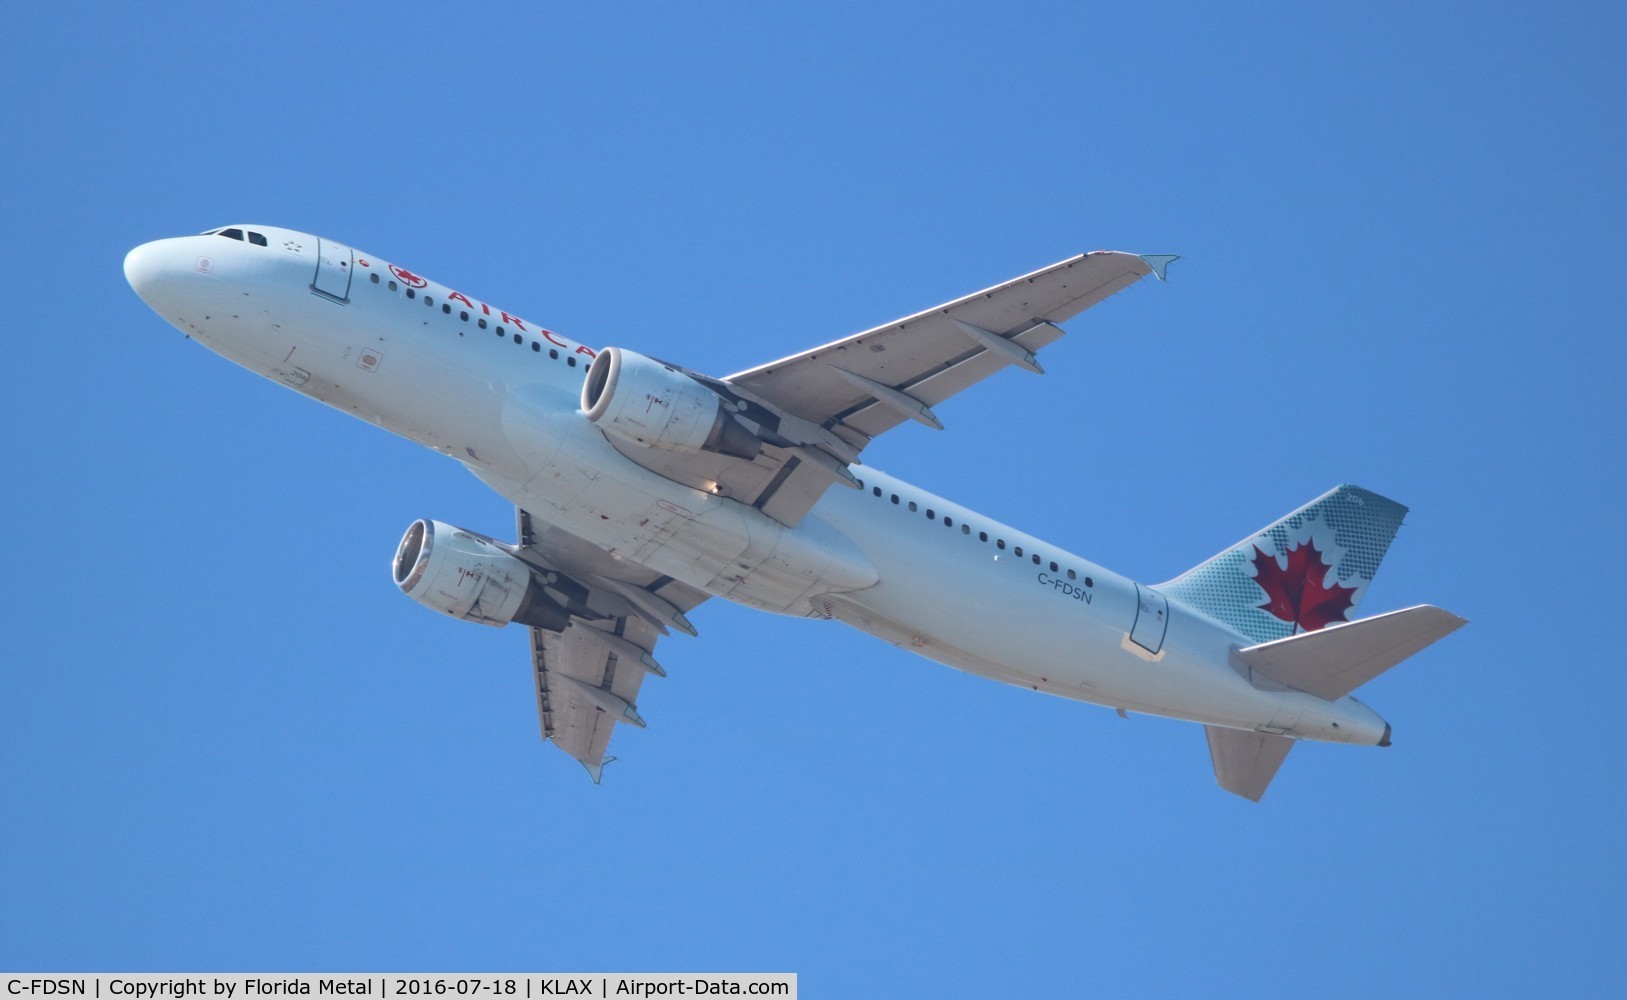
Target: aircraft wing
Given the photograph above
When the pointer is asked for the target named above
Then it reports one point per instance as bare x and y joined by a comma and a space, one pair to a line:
585, 688
815, 411
587, 678
873, 381
851, 390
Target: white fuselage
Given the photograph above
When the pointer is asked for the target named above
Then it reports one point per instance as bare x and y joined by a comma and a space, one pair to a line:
501, 395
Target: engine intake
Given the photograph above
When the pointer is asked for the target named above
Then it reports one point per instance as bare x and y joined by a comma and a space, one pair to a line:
641, 400
466, 576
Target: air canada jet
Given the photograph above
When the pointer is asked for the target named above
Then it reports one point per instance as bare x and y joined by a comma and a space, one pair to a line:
643, 489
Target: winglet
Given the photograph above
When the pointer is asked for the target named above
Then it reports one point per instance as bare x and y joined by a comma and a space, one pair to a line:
596, 771
1159, 262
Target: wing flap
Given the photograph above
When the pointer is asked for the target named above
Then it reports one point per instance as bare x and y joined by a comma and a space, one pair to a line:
1334, 661
1246, 762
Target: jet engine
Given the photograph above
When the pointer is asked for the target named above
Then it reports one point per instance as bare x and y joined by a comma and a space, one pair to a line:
468, 577
641, 400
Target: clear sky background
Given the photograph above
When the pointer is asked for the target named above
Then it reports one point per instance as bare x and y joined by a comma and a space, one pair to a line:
228, 743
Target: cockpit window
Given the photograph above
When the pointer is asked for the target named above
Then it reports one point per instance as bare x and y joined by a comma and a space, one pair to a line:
209, 232
257, 239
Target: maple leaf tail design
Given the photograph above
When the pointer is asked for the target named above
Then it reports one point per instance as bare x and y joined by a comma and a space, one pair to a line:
1304, 571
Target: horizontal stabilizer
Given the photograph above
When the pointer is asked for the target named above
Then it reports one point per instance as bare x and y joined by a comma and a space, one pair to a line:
1246, 762
1334, 661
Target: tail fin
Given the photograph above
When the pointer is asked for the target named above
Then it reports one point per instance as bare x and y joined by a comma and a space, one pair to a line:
1308, 570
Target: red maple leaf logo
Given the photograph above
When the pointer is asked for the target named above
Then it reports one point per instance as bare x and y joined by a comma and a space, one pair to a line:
1298, 594
407, 276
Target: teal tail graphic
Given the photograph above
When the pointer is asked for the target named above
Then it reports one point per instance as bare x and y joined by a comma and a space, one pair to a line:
1305, 572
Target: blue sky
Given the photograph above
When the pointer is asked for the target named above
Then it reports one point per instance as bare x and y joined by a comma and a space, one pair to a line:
229, 743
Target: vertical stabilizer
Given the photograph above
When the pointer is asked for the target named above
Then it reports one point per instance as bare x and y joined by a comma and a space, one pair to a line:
1304, 572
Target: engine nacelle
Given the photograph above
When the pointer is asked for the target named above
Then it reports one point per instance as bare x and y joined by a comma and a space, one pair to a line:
641, 400
467, 577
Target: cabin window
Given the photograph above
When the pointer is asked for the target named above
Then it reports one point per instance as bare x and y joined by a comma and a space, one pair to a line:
536, 347
501, 332
519, 339
446, 307
948, 522
965, 528
571, 361
1017, 550
391, 286
982, 536
482, 322
1072, 575
1036, 559
931, 515
913, 508
876, 490
1089, 582
374, 276
895, 498
463, 314
1053, 567
429, 300
411, 294
553, 354
999, 543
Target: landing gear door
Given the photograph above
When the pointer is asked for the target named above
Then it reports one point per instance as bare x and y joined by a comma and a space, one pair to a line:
333, 266
1152, 619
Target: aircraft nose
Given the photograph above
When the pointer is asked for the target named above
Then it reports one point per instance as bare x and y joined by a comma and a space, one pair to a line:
145, 269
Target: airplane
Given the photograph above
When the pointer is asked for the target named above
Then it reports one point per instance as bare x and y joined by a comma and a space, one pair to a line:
642, 489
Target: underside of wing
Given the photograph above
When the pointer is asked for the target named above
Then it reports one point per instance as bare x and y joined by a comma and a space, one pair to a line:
870, 382
776, 437
588, 676
585, 685
827, 404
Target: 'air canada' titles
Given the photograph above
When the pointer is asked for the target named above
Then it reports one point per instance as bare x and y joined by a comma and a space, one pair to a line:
417, 281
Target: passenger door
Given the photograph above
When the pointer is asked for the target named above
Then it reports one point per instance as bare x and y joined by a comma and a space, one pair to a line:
1152, 619
333, 267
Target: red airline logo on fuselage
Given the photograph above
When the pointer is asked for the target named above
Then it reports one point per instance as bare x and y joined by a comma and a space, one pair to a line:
407, 277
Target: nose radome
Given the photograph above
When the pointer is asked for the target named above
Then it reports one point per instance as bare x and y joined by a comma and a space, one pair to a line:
144, 268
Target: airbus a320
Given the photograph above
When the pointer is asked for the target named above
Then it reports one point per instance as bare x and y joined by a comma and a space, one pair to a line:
643, 489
